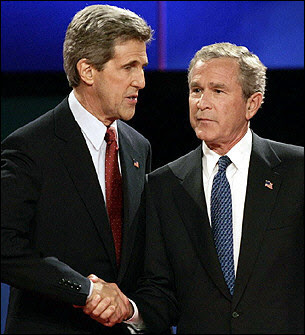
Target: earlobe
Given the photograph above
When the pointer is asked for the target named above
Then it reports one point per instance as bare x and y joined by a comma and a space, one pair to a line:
85, 71
253, 105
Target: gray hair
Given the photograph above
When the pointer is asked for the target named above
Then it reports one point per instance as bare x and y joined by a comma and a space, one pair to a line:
252, 71
93, 34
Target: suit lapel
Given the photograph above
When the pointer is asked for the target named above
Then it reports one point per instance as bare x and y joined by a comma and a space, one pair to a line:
77, 159
259, 203
133, 172
189, 197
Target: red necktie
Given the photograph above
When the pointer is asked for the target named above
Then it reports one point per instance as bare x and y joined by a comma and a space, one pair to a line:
114, 196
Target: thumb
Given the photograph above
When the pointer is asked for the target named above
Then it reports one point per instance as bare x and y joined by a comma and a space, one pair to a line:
93, 278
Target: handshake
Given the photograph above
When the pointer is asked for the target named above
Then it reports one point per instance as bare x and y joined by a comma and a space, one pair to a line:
107, 304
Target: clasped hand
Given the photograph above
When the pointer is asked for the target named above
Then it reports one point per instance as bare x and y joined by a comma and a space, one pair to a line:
107, 304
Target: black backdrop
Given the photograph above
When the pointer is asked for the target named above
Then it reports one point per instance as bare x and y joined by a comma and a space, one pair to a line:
162, 110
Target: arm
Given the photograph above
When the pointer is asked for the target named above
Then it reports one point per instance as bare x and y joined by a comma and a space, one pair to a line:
22, 264
155, 296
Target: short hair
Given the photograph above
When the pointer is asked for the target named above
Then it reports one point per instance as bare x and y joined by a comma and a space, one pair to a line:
252, 71
93, 34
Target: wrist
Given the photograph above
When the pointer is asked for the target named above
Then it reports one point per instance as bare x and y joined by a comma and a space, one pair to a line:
130, 311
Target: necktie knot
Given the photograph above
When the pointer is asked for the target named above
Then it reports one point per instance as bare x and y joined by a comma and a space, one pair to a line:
223, 163
110, 135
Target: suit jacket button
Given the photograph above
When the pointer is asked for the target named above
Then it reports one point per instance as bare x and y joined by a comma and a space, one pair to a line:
235, 315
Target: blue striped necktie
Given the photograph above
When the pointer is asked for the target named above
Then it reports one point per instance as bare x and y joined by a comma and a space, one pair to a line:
221, 217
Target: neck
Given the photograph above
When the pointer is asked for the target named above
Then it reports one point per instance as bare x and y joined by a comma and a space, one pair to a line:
223, 148
89, 103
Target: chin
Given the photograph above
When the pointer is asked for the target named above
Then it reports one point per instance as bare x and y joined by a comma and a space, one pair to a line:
127, 116
200, 134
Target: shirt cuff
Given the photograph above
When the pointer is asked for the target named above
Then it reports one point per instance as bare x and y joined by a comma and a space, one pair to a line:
136, 321
90, 289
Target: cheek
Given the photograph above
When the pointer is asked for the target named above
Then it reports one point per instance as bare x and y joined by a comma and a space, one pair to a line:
192, 107
192, 118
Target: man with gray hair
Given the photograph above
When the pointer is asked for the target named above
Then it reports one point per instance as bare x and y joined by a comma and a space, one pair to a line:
225, 225
72, 185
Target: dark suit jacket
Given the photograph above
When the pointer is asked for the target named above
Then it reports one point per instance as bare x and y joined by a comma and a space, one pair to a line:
54, 225
183, 282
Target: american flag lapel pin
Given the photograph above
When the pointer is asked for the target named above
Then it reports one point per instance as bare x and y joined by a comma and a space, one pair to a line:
269, 184
136, 164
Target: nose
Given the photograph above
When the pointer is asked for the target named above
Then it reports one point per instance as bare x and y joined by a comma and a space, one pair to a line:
139, 80
203, 101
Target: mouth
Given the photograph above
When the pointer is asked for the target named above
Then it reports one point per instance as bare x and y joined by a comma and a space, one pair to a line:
204, 120
133, 98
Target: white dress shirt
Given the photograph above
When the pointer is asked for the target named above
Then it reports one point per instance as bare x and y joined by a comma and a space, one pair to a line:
237, 175
94, 133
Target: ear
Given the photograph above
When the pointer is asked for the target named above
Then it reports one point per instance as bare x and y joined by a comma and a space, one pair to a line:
253, 104
85, 71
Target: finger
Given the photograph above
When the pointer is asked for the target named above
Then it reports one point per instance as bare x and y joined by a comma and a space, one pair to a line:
125, 300
107, 313
101, 307
103, 318
109, 324
92, 303
117, 316
124, 308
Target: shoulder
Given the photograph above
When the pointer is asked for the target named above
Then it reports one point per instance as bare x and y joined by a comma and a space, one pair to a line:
39, 131
282, 150
131, 134
32, 131
180, 166
287, 150
41, 123
287, 158
291, 157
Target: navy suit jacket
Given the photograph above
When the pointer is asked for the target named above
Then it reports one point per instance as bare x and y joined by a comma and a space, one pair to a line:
54, 225
183, 282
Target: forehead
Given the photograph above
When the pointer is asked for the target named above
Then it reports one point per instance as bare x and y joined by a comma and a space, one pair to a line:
216, 69
131, 50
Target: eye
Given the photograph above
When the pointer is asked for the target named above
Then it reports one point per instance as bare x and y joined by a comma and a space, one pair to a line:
218, 91
195, 90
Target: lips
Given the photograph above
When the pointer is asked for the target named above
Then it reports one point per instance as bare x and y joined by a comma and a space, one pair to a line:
133, 97
204, 119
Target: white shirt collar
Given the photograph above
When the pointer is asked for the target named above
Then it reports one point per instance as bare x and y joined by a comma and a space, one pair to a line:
93, 128
239, 155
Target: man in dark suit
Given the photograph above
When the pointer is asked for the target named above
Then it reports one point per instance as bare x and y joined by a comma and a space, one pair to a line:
56, 222
248, 279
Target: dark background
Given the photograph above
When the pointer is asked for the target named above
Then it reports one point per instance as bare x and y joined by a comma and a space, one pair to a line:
162, 110
33, 81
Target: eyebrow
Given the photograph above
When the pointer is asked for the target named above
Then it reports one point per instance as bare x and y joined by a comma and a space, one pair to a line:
194, 84
218, 85
211, 84
135, 62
